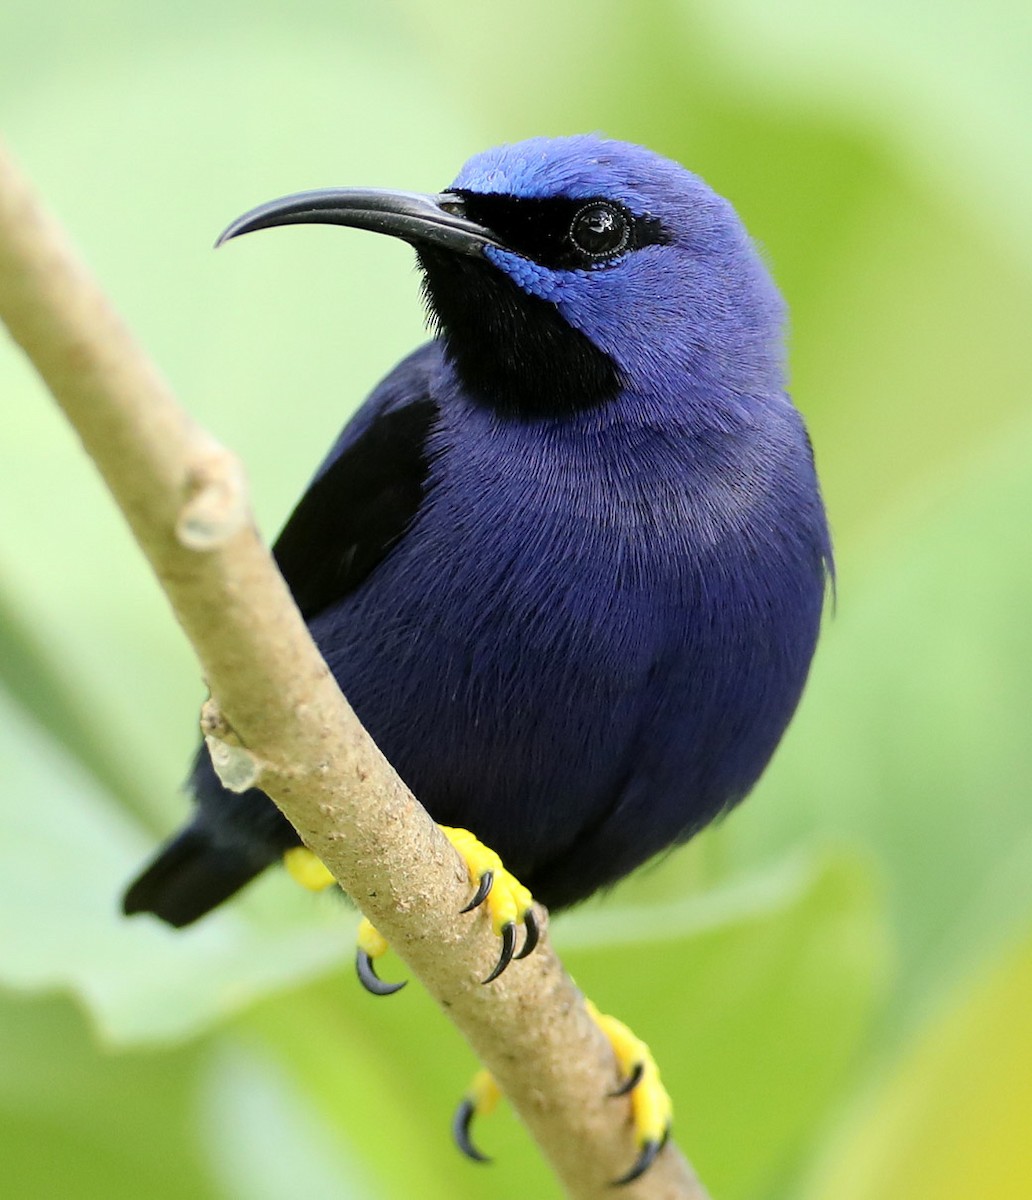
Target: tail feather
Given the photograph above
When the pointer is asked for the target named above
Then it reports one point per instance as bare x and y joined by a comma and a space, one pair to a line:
190, 876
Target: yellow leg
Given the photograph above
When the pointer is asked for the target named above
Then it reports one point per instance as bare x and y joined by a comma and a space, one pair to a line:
651, 1108
507, 901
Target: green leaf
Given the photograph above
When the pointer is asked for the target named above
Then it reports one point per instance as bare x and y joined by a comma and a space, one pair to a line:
79, 1122
951, 1120
948, 85
33, 679
265, 1139
196, 1123
386, 1077
66, 852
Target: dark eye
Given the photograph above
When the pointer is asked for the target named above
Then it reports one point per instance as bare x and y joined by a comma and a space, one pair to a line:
599, 230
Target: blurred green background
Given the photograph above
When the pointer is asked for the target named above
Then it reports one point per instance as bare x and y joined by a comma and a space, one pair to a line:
837, 981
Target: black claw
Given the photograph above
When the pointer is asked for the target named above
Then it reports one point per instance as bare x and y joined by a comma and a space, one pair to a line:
464, 1115
533, 934
483, 891
631, 1082
649, 1154
370, 980
508, 947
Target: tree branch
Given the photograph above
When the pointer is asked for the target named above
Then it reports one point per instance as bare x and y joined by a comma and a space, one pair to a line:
278, 719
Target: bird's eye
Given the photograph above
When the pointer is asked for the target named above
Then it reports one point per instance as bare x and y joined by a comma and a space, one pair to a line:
599, 230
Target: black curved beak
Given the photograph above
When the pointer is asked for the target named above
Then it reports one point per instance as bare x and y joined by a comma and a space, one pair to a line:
414, 217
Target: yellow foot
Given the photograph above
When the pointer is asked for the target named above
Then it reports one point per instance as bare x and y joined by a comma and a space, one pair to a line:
307, 869
481, 1099
506, 899
651, 1109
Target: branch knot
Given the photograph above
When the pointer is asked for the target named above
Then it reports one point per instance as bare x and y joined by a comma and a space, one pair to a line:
237, 767
216, 506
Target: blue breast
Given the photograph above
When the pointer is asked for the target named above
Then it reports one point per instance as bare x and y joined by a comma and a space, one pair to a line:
590, 640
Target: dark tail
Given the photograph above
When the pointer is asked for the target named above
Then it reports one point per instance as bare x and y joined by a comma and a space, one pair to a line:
190, 876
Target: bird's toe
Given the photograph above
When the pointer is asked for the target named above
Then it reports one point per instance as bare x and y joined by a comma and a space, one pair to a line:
371, 946
651, 1108
307, 869
480, 1099
507, 901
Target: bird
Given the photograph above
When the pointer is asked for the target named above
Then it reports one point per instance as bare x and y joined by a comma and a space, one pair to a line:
568, 561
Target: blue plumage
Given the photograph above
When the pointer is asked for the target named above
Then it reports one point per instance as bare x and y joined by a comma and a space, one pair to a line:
568, 561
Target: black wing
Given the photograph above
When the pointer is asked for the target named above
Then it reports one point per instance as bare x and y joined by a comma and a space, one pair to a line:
366, 493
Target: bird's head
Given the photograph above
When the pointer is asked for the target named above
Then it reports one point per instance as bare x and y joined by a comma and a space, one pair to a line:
564, 271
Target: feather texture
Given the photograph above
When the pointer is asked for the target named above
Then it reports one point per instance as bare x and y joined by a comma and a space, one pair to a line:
568, 562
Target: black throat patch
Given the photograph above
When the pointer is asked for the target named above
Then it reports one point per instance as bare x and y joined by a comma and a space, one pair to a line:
514, 352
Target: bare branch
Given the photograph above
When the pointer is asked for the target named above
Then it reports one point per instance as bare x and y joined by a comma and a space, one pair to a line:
278, 718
